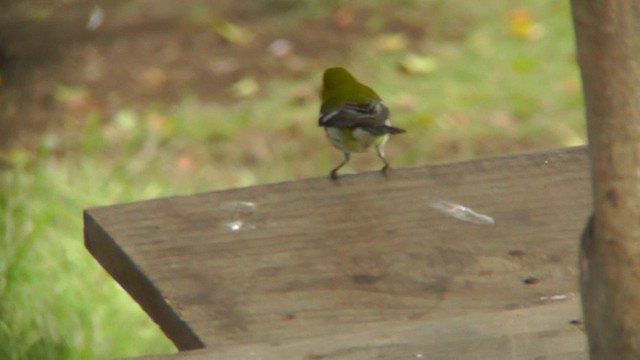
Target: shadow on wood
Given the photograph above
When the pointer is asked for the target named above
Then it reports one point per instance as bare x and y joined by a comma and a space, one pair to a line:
364, 267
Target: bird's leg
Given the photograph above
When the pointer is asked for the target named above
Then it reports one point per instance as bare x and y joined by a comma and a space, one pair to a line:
386, 168
334, 172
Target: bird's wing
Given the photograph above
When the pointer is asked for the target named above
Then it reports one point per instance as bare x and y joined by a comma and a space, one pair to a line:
369, 114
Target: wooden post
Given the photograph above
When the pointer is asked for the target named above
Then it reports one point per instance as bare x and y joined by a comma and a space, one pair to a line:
608, 41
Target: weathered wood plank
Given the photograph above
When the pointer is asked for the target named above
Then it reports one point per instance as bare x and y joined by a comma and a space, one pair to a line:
316, 258
539, 332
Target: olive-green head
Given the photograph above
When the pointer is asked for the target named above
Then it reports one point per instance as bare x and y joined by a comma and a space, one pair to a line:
339, 87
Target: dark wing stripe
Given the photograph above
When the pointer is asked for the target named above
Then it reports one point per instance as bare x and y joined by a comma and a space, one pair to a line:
324, 118
372, 114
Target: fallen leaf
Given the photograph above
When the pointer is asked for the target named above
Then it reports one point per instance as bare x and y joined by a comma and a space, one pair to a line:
418, 64
523, 25
245, 87
392, 42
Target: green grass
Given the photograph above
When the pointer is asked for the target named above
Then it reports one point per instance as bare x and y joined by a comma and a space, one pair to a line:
55, 301
488, 91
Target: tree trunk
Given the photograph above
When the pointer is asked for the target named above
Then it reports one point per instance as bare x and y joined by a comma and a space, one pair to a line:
608, 41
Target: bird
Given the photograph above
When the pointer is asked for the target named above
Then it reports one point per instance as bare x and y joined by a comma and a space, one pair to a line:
354, 117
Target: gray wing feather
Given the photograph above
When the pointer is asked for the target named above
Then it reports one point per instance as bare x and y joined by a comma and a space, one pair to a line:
370, 116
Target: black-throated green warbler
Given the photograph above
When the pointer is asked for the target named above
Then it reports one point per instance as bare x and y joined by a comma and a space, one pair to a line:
354, 116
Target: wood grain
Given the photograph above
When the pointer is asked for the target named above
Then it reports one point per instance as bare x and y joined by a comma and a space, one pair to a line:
318, 260
538, 332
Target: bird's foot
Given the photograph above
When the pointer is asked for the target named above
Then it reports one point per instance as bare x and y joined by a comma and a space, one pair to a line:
386, 170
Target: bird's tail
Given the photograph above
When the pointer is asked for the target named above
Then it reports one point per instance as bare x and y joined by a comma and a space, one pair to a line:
384, 129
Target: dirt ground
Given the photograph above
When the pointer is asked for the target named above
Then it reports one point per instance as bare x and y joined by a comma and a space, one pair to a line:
132, 54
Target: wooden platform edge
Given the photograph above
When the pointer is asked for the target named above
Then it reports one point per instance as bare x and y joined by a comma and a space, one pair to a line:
131, 278
499, 335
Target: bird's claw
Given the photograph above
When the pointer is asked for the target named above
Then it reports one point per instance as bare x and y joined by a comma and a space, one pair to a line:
386, 170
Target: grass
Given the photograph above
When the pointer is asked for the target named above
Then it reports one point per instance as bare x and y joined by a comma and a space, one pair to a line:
489, 79
55, 302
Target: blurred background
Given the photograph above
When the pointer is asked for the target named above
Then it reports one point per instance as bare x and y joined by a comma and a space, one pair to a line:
103, 102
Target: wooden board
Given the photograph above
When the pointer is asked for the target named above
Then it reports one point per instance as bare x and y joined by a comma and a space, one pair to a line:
313, 260
538, 332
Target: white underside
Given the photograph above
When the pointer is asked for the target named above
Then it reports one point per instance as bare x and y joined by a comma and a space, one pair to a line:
364, 140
